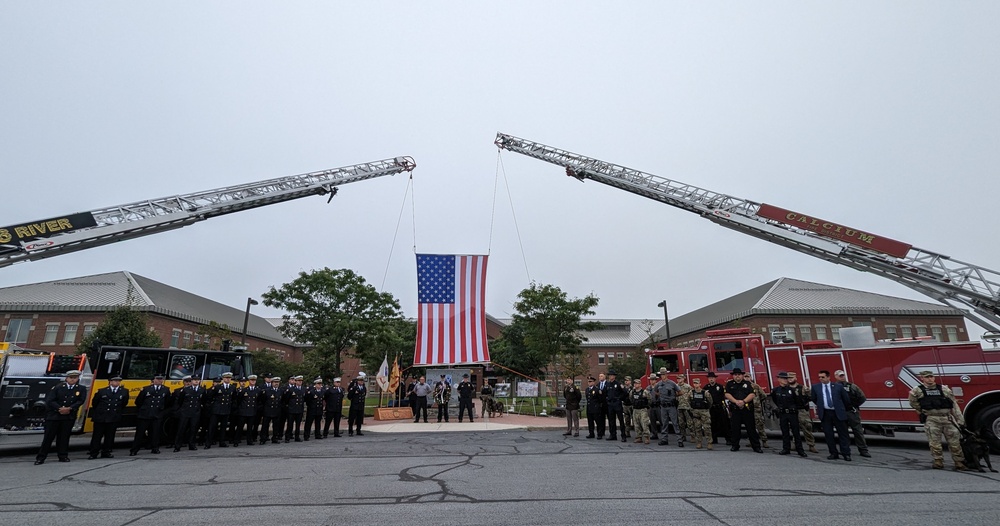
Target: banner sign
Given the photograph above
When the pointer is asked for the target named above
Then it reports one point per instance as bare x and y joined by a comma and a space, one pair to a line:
835, 231
46, 228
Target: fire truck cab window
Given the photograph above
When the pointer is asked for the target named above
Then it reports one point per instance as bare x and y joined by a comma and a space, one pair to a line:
216, 365
699, 363
182, 365
143, 365
670, 361
728, 355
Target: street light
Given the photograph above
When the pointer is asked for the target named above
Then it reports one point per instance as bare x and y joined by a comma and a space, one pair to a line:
666, 320
246, 320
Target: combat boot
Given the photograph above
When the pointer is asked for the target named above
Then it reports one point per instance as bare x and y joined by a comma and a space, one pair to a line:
959, 466
764, 443
710, 446
938, 464
638, 440
698, 446
812, 449
645, 440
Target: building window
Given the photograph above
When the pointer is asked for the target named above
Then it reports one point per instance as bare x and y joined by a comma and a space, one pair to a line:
89, 328
600, 358
890, 332
69, 334
175, 337
921, 330
187, 339
197, 339
821, 332
936, 332
17, 330
835, 329
790, 332
907, 331
51, 331
806, 332
771, 329
620, 355
952, 333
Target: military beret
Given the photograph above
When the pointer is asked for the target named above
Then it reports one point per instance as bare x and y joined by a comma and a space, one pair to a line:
783, 374
227, 375
115, 378
254, 377
158, 377
925, 373
74, 372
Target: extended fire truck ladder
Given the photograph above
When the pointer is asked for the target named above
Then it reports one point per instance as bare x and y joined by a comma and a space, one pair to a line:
143, 218
938, 276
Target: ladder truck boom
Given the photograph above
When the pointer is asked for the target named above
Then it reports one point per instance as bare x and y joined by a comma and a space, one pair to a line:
975, 289
52, 237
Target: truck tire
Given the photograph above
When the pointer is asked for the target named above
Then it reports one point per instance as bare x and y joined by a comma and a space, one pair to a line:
988, 423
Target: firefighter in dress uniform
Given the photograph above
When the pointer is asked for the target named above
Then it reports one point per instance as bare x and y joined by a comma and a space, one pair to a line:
739, 393
151, 405
271, 424
106, 411
220, 398
357, 393
61, 405
294, 401
334, 399
249, 400
187, 408
314, 408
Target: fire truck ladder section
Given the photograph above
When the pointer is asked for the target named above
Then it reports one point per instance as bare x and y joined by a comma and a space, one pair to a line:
143, 218
935, 275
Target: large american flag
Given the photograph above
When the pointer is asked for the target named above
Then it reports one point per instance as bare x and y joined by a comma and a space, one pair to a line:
451, 321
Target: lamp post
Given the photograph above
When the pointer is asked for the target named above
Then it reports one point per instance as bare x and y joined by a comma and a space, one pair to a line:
666, 320
246, 320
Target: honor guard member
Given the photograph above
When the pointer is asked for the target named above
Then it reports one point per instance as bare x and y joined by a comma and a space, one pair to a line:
627, 406
187, 406
234, 418
573, 397
594, 416
665, 393
442, 396
221, 397
185, 382
786, 404
684, 408
739, 393
151, 405
357, 393
294, 399
805, 420
61, 405
613, 395
249, 403
654, 408
106, 411
334, 399
857, 397
939, 413
640, 415
465, 391
700, 424
271, 425
314, 408
758, 412
720, 417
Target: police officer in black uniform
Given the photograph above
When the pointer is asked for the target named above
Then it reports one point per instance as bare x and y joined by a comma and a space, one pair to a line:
294, 405
249, 400
465, 390
595, 415
151, 405
106, 411
334, 398
314, 399
61, 405
187, 407
613, 395
739, 393
786, 404
720, 418
271, 425
356, 393
221, 397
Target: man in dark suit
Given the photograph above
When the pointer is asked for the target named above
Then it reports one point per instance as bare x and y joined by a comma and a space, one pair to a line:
150, 406
187, 408
334, 399
106, 412
832, 402
61, 405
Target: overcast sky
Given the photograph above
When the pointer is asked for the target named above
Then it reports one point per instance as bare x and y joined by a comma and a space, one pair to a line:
884, 116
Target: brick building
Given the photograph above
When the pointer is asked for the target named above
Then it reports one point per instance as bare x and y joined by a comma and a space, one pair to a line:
56, 315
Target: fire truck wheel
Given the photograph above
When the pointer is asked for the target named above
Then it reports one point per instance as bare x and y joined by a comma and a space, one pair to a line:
988, 422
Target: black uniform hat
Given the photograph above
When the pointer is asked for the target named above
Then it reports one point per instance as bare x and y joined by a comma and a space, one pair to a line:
611, 372
466, 375
158, 377
115, 378
737, 371
711, 375
783, 374
196, 377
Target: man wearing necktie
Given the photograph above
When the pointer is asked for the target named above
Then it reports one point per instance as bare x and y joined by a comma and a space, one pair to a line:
106, 412
221, 398
832, 402
187, 407
150, 405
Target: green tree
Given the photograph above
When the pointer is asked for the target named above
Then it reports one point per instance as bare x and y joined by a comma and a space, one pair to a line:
272, 361
546, 325
633, 364
335, 311
214, 333
124, 326
398, 339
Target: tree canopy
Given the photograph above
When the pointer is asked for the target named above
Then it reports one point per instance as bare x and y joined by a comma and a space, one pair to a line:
547, 328
335, 312
123, 326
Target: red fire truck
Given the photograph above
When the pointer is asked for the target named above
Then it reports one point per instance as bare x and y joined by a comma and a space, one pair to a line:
884, 370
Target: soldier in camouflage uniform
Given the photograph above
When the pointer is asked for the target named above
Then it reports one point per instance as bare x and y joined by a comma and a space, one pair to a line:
640, 403
627, 406
654, 409
805, 422
758, 412
684, 408
700, 402
939, 412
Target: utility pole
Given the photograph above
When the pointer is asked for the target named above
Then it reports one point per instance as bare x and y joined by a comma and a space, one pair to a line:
246, 320
666, 320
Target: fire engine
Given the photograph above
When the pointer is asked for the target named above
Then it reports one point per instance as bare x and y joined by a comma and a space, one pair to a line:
886, 371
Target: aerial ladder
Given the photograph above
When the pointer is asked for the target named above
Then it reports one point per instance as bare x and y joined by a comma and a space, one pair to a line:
52, 237
970, 288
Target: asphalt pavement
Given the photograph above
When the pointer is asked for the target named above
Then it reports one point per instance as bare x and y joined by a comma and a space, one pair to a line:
519, 475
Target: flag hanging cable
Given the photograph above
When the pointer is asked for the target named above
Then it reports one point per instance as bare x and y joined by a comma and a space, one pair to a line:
517, 230
402, 208
451, 314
